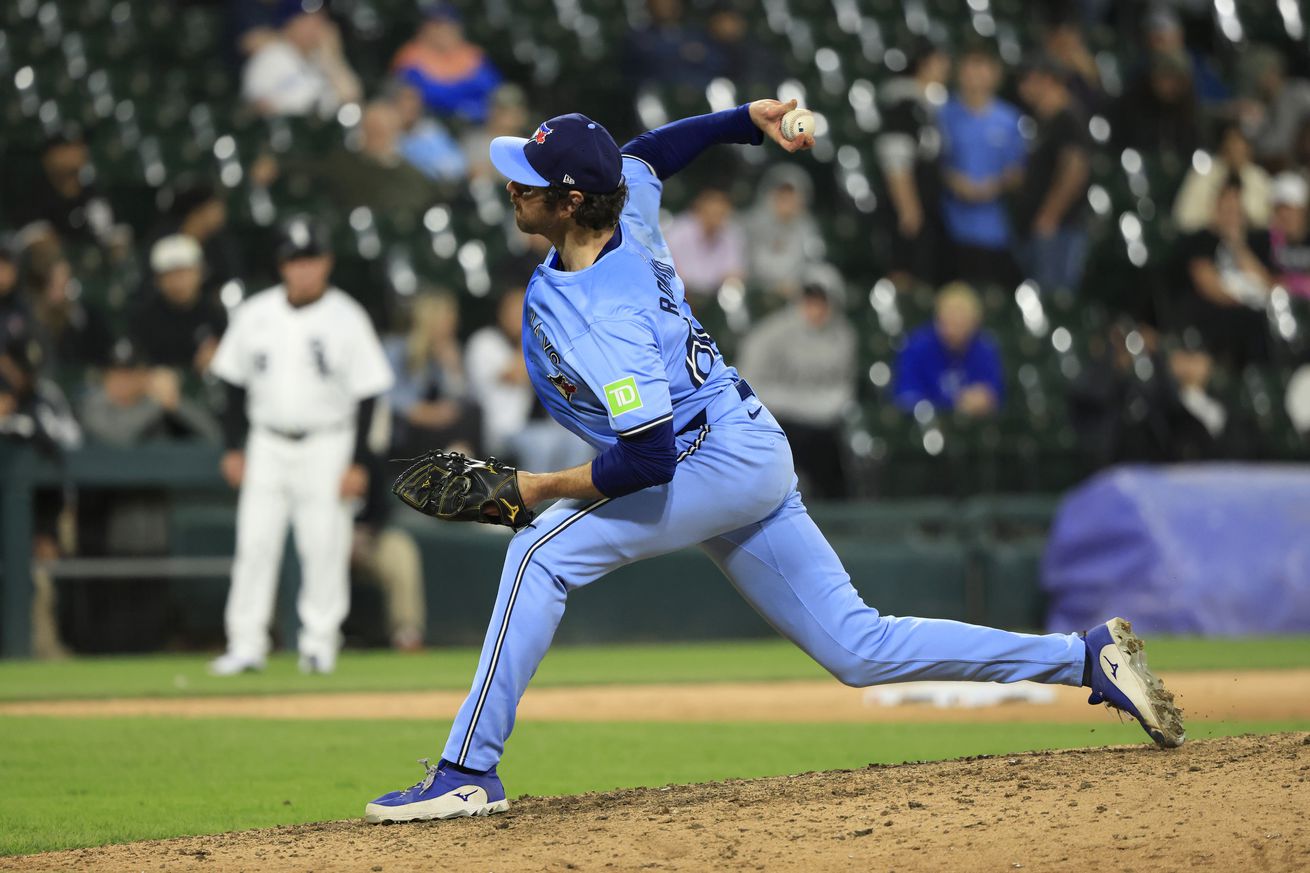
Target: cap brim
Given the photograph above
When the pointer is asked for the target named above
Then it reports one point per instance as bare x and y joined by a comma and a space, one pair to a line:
507, 156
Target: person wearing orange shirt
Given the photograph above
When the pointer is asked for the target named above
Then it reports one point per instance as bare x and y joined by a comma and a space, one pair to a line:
454, 76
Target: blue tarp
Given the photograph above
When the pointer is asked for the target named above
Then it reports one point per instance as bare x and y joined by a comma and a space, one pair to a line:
1195, 549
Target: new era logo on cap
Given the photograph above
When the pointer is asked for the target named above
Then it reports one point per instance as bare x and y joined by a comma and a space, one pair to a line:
567, 150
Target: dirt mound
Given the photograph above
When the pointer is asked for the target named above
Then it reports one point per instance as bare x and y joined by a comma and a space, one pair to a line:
1229, 804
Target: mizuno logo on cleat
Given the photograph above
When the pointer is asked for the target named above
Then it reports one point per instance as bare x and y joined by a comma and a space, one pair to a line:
1114, 668
465, 797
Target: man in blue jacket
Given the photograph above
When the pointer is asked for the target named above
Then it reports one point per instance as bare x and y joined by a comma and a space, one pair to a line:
951, 364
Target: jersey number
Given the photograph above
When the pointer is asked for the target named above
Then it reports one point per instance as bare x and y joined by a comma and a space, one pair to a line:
701, 350
701, 353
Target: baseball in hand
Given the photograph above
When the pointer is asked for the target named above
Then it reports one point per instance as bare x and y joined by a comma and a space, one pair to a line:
796, 123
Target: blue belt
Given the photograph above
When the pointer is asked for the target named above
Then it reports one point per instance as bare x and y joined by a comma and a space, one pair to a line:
699, 420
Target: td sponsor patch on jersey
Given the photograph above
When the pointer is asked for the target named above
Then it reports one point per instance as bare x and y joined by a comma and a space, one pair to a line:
621, 396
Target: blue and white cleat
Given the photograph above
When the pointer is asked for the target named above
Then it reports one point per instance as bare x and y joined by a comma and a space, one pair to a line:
1120, 679
441, 793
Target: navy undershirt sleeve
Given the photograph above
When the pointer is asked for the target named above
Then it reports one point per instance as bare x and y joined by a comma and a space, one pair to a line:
235, 423
636, 462
363, 424
675, 145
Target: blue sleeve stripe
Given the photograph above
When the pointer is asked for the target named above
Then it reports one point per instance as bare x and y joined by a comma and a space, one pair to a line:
655, 422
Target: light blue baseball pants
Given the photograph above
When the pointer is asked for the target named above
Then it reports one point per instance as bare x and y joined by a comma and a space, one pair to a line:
735, 495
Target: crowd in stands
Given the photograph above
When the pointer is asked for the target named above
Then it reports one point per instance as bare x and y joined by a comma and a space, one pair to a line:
986, 169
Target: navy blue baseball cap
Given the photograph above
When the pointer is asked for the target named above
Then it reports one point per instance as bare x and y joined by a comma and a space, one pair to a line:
569, 150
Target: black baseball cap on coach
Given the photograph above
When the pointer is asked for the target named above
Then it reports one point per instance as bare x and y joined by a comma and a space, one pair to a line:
569, 150
302, 237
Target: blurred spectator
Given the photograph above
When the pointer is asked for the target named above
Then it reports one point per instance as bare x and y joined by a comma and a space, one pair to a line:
1275, 106
429, 402
1198, 432
134, 404
1195, 202
200, 212
1226, 281
388, 556
454, 76
63, 195
424, 142
982, 159
20, 355
508, 117
781, 233
670, 51
1301, 148
801, 362
1288, 242
514, 423
174, 325
707, 243
303, 71
1134, 403
1158, 112
22, 420
377, 176
1297, 400
1063, 43
498, 378
1051, 204
1165, 35
908, 148
740, 58
951, 364
72, 336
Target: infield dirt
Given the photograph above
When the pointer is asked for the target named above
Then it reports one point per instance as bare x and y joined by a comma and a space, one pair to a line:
1241, 803
1250, 695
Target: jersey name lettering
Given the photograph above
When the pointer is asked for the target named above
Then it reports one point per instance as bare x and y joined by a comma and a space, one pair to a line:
539, 331
664, 276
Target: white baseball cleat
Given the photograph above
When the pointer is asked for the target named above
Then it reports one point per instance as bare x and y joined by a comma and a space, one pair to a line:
1121, 679
231, 664
321, 664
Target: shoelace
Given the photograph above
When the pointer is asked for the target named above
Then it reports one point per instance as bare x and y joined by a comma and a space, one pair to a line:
429, 776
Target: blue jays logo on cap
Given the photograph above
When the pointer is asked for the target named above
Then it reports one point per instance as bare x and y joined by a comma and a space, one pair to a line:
569, 150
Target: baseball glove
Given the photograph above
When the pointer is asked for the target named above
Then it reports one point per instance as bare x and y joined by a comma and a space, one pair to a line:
452, 487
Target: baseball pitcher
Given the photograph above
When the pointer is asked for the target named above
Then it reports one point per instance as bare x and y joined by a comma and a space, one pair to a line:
688, 455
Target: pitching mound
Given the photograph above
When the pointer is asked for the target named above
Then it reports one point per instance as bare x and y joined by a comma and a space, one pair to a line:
1229, 804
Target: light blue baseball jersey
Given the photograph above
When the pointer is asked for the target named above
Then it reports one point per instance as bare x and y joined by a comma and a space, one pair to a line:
614, 349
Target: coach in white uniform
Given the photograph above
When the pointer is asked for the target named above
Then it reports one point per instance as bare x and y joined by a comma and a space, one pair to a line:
303, 367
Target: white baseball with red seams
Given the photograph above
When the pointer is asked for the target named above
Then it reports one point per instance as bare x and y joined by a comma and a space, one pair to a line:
796, 123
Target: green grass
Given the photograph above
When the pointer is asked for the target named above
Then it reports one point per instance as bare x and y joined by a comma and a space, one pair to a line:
184, 675
91, 781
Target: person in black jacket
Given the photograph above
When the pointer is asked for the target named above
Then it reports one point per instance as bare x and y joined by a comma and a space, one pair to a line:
175, 325
907, 150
